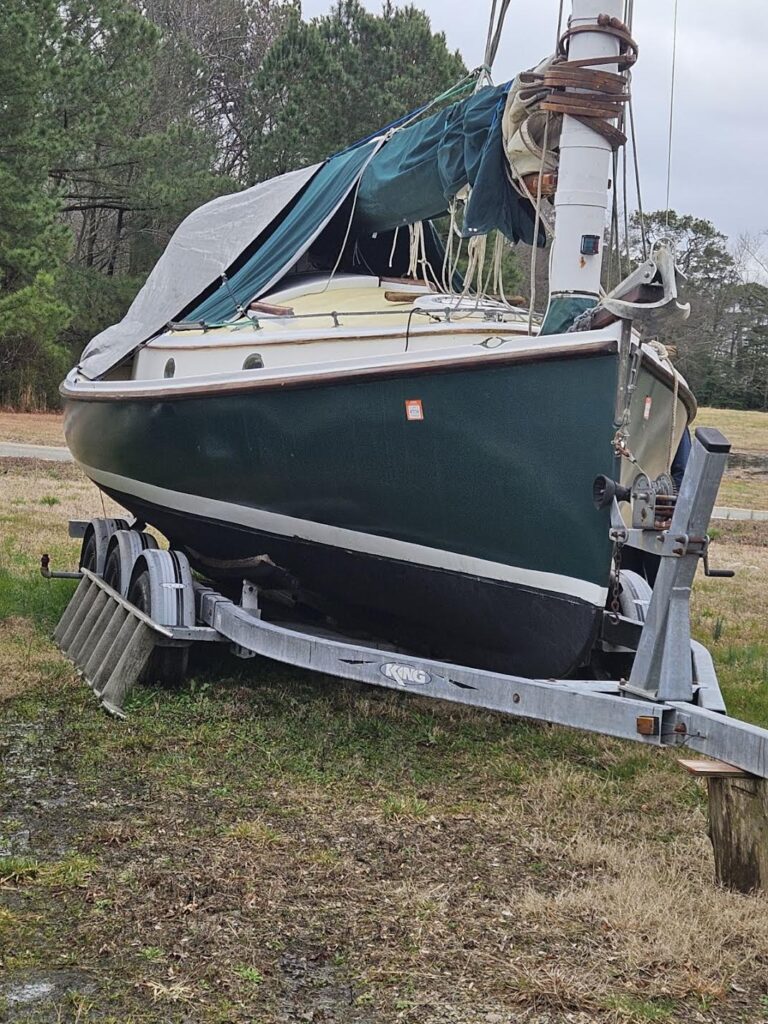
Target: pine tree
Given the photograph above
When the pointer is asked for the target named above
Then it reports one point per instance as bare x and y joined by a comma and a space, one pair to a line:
327, 83
33, 243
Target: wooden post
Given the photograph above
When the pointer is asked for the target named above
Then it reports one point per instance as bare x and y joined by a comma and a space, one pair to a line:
738, 824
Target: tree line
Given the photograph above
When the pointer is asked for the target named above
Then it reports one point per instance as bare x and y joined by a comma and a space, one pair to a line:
119, 117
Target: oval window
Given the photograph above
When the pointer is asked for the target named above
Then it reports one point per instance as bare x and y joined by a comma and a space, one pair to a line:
170, 368
253, 362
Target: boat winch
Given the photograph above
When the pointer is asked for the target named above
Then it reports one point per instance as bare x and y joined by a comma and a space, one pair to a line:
652, 501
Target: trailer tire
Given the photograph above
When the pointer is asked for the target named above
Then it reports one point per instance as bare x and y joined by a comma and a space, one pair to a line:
635, 595
124, 548
93, 552
88, 553
161, 587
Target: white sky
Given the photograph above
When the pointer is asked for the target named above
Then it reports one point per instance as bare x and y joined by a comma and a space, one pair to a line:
720, 142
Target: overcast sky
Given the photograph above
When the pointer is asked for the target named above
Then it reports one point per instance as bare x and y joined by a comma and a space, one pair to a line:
720, 141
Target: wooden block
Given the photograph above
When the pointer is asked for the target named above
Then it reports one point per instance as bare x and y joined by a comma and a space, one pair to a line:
403, 296
713, 769
738, 829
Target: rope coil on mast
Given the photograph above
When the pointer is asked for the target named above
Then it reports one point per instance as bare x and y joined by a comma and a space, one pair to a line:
602, 94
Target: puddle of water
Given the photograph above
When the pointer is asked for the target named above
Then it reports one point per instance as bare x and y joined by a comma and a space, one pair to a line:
30, 992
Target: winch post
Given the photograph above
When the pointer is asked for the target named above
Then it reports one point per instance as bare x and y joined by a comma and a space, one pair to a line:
663, 666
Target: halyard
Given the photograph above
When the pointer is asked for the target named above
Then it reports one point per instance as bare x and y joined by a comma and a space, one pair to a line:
263, 845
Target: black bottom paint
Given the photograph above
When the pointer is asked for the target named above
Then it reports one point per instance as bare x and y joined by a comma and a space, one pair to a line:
450, 616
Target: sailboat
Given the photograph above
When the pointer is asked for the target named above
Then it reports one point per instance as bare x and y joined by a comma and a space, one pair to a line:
308, 392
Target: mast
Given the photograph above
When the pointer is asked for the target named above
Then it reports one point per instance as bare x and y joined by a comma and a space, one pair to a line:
581, 199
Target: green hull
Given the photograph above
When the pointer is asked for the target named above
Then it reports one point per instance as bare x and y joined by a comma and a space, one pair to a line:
471, 528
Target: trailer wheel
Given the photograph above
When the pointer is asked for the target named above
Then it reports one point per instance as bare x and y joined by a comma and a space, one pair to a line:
161, 587
88, 553
635, 595
93, 553
124, 548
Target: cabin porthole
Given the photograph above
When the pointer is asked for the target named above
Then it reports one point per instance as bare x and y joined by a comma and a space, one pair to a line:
253, 362
169, 369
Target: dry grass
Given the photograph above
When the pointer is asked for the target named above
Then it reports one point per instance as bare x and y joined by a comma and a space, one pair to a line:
264, 846
24, 659
32, 427
746, 430
744, 489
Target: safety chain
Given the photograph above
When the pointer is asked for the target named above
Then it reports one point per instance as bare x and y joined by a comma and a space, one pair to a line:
602, 94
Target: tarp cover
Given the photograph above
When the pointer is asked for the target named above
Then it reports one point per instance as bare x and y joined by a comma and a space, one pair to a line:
204, 245
422, 168
234, 249
301, 226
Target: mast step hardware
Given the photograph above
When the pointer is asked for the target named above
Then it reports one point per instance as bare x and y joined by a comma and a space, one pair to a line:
110, 640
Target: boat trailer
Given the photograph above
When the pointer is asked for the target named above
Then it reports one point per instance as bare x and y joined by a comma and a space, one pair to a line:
670, 699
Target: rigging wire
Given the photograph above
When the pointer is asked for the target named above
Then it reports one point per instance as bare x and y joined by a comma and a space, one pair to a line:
613, 255
535, 239
495, 28
636, 162
624, 193
487, 62
671, 108
559, 25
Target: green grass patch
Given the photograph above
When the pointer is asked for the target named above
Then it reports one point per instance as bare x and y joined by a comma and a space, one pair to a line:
70, 871
637, 1010
30, 596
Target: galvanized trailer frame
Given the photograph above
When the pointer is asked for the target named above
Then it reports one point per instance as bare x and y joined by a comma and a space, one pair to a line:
672, 697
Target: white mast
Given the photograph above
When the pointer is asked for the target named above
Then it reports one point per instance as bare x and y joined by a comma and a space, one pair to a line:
581, 199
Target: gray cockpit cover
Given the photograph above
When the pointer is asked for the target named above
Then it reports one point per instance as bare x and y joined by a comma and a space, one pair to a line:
201, 249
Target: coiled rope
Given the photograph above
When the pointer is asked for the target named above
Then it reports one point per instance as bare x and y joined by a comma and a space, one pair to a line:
602, 94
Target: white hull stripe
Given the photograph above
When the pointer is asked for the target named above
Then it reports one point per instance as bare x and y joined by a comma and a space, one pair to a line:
349, 540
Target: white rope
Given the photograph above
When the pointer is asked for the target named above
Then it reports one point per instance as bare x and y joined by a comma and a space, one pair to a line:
663, 353
498, 268
374, 150
455, 266
394, 246
671, 107
446, 276
426, 266
413, 249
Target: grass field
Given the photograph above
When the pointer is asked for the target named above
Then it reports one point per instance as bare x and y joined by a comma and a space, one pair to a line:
32, 427
262, 845
747, 431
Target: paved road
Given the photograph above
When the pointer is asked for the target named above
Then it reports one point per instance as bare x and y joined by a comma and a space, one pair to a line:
739, 514
48, 453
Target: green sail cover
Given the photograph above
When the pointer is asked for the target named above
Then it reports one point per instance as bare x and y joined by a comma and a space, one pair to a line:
420, 170
410, 177
291, 238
